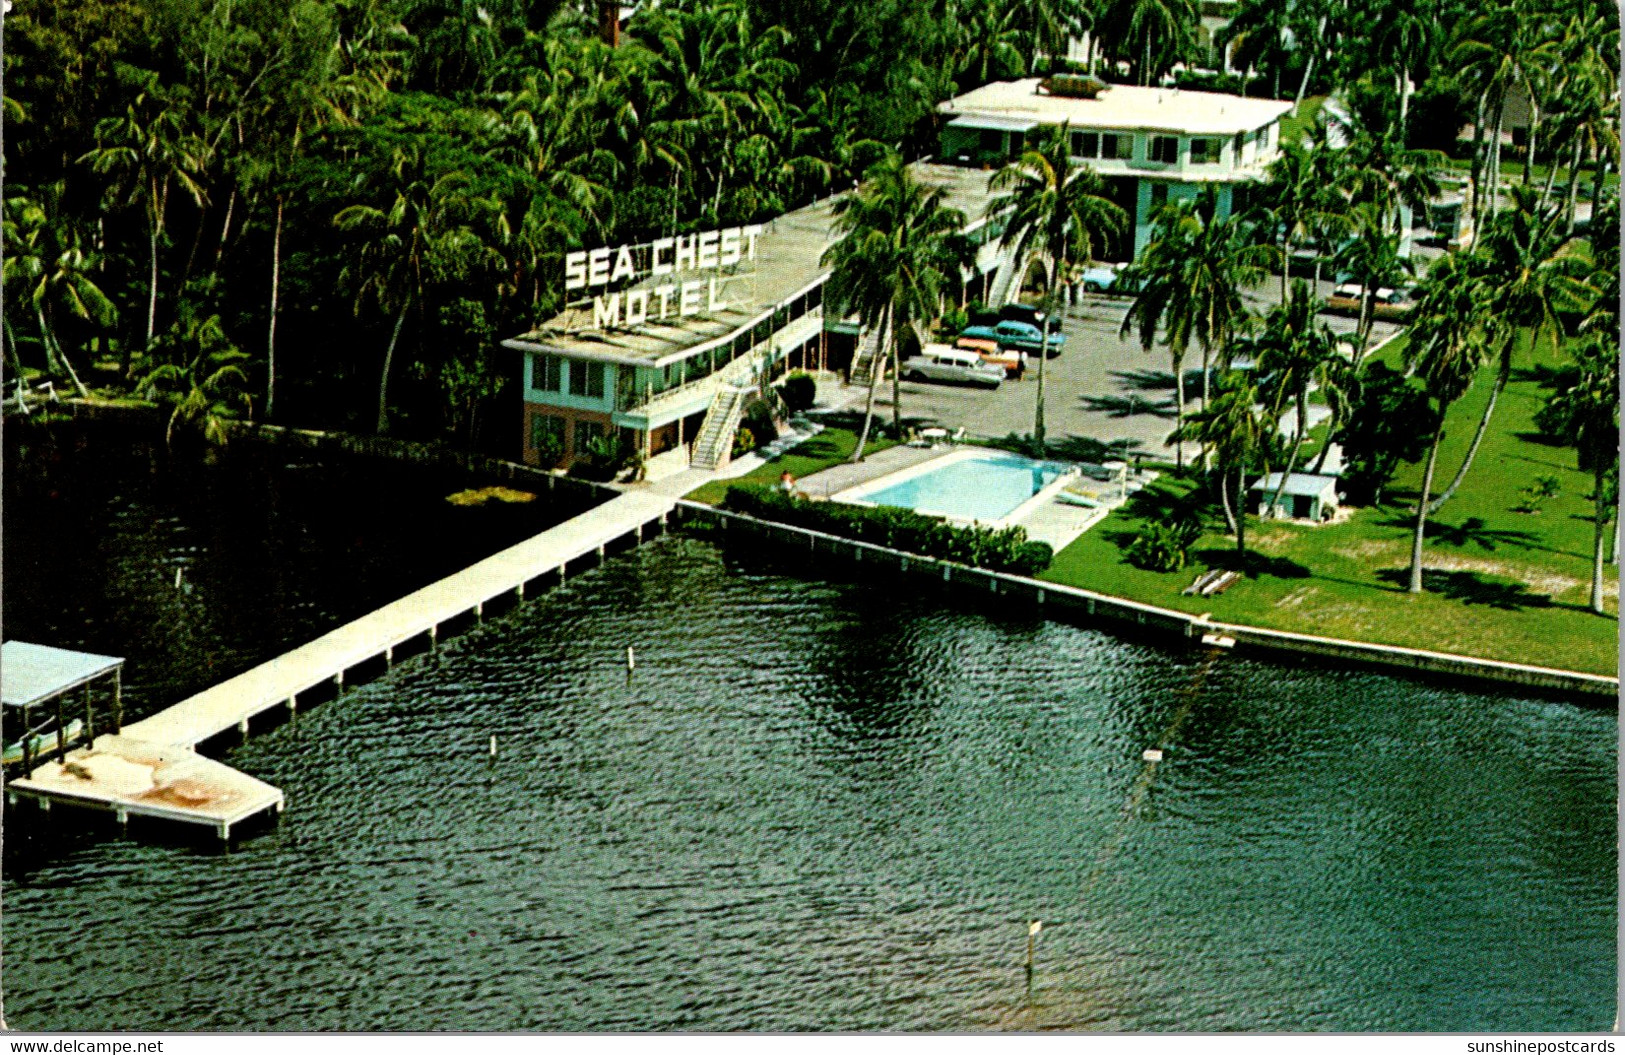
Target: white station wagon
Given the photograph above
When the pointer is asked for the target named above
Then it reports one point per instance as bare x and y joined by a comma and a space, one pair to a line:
938, 362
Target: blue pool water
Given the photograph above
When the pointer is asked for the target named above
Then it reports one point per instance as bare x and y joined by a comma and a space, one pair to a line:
986, 487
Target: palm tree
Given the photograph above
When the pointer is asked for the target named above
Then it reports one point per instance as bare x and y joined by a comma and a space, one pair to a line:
1448, 343
1155, 279
899, 247
992, 41
45, 263
1373, 260
1151, 34
146, 151
1293, 351
1584, 412
423, 215
1054, 210
202, 382
1309, 207
1497, 51
1232, 429
1530, 273
1407, 35
1259, 30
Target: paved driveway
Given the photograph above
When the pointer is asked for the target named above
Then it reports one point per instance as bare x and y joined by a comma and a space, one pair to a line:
1101, 387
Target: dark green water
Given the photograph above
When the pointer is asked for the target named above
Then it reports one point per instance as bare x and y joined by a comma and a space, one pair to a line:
835, 804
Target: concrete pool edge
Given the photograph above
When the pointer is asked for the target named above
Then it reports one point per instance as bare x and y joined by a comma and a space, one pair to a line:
1185, 625
857, 494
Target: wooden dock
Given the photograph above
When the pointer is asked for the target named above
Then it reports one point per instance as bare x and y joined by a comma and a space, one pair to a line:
110, 774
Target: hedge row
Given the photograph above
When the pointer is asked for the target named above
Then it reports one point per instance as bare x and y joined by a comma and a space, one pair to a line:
1005, 549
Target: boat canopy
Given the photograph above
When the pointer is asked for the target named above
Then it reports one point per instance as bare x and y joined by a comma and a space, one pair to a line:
30, 674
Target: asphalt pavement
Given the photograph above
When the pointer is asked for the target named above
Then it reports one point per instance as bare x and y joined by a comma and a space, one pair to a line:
1101, 387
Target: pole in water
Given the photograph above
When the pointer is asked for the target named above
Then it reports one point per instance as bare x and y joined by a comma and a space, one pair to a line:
631, 660
178, 571
493, 745
1032, 937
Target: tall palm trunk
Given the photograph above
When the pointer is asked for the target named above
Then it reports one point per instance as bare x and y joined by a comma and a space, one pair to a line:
270, 334
1534, 138
1309, 67
1476, 174
1494, 178
869, 400
1598, 543
897, 383
1179, 407
54, 350
1596, 181
1574, 189
1422, 506
383, 377
1207, 374
1292, 456
1241, 511
1224, 503
1478, 436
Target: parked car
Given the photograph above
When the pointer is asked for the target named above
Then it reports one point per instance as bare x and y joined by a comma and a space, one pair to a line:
1027, 313
1392, 305
1013, 361
1021, 335
938, 362
1101, 278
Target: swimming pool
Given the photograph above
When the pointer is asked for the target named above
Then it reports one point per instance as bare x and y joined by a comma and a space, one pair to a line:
988, 486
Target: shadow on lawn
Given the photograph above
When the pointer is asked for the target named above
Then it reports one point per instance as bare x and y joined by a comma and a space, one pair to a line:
1469, 587
1473, 529
1250, 564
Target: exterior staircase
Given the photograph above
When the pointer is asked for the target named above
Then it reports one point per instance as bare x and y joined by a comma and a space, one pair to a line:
866, 356
714, 445
1005, 287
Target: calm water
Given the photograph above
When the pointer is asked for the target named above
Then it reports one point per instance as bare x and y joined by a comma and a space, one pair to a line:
985, 487
829, 804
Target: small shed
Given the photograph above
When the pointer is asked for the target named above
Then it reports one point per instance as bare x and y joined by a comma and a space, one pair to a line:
36, 682
1305, 496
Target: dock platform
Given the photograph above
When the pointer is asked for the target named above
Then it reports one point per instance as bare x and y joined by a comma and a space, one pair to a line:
153, 770
129, 777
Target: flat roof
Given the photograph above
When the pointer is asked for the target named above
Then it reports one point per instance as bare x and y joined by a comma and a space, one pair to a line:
31, 673
787, 264
1120, 106
1296, 484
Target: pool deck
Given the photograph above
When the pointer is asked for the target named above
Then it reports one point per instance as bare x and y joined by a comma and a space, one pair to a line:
1055, 522
838, 478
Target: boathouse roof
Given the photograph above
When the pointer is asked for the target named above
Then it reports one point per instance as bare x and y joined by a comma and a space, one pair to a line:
32, 673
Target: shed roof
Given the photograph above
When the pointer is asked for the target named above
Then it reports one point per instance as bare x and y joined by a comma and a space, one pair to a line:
1298, 484
30, 673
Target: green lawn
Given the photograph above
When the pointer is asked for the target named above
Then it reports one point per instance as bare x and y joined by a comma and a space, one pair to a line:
1294, 123
1501, 584
830, 447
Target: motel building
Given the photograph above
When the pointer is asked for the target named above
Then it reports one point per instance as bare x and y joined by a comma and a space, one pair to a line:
1152, 145
663, 344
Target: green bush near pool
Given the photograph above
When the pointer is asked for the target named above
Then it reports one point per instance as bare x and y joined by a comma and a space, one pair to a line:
1001, 549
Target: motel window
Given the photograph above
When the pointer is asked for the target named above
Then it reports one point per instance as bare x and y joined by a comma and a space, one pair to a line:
1159, 196
1241, 141
1120, 147
1086, 144
587, 433
547, 438
815, 297
1165, 149
547, 373
587, 379
1204, 151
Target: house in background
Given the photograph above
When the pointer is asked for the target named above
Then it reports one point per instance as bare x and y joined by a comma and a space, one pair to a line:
1305, 496
1152, 145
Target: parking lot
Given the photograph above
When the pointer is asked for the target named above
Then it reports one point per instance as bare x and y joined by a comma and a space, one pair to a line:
1101, 387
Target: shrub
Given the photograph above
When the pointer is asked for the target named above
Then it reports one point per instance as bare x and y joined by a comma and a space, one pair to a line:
758, 417
953, 321
997, 549
1161, 547
798, 392
744, 441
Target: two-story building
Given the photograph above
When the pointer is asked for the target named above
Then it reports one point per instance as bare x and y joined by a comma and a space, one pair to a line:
1150, 144
665, 342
